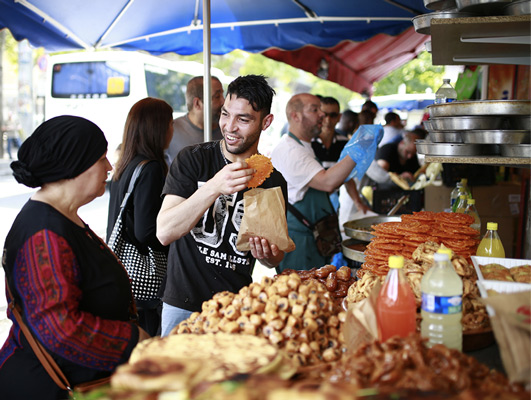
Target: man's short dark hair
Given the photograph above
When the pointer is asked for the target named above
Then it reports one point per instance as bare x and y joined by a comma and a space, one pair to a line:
330, 100
369, 105
390, 117
420, 132
254, 89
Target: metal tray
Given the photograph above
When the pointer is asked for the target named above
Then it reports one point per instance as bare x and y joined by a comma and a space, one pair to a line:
456, 149
446, 137
437, 5
517, 7
361, 228
422, 22
484, 7
480, 107
495, 137
515, 150
518, 123
353, 254
466, 122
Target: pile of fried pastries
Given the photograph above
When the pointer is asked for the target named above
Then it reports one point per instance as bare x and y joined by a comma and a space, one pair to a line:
402, 368
407, 363
474, 311
299, 317
402, 238
336, 281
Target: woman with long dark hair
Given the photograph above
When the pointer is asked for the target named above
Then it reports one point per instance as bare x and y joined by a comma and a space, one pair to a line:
147, 133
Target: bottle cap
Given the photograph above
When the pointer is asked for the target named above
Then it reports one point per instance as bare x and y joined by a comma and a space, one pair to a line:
492, 226
443, 254
464, 181
471, 201
396, 261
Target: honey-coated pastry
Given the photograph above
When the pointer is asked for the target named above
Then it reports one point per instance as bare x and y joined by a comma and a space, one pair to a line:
263, 167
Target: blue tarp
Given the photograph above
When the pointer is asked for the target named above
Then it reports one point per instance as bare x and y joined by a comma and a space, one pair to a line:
160, 26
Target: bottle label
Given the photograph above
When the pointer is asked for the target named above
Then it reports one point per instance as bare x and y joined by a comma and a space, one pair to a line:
441, 304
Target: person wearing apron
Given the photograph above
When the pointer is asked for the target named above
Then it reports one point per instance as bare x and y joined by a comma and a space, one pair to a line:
309, 184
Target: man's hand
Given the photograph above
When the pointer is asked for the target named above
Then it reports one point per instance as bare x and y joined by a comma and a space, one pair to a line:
232, 178
408, 176
269, 255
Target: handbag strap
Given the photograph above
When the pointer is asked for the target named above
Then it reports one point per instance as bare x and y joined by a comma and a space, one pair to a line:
130, 188
44, 357
300, 216
132, 182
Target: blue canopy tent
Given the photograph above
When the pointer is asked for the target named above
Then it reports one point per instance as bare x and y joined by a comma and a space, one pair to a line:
162, 26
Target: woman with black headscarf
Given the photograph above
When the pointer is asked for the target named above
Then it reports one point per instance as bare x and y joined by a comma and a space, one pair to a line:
74, 294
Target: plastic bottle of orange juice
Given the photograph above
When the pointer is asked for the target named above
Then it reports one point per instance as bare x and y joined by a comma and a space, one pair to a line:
491, 244
396, 310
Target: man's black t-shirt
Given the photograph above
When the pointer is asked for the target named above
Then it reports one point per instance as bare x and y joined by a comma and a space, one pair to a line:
206, 261
389, 153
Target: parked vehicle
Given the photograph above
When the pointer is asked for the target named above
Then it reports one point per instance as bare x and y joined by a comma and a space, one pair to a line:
102, 86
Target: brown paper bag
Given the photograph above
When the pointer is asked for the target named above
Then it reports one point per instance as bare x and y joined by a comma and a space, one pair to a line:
512, 329
361, 326
264, 215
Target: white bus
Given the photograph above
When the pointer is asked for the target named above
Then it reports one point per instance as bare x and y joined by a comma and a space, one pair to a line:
103, 86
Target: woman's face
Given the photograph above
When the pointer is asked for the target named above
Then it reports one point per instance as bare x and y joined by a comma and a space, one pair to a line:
91, 183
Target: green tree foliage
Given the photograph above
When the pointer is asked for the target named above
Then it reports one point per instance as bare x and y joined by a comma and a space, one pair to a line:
418, 75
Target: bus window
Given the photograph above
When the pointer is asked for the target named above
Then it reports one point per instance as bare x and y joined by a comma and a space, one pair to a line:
97, 79
167, 85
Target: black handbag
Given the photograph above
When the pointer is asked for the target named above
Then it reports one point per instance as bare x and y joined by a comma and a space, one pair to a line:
145, 269
325, 231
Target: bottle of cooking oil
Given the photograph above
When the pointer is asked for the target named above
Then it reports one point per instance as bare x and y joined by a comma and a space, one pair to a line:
472, 211
442, 296
491, 244
461, 204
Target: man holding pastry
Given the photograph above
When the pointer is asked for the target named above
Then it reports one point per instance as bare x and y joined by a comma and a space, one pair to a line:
203, 206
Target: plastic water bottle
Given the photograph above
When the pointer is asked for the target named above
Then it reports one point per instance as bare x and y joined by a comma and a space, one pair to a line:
454, 195
463, 189
442, 297
461, 204
396, 310
472, 211
446, 93
491, 244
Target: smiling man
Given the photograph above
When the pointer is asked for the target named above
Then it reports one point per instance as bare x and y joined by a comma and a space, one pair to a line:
203, 206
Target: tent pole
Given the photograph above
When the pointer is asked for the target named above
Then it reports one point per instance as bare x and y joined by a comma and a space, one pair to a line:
207, 80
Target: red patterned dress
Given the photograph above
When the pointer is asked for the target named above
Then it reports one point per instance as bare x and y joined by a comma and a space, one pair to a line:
76, 299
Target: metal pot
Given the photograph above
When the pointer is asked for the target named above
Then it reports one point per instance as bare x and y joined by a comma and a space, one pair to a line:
481, 107
361, 228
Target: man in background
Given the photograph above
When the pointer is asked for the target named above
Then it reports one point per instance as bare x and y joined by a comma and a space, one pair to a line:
189, 129
401, 158
329, 144
393, 128
309, 183
348, 123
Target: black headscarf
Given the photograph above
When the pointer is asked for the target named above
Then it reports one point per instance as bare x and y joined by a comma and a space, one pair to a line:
60, 148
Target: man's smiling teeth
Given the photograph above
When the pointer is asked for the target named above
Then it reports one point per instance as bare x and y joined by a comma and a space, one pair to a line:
231, 137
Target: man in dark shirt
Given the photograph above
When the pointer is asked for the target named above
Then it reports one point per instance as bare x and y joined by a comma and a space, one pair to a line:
400, 158
328, 146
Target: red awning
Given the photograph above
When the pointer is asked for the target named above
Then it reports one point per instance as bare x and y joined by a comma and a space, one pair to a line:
355, 65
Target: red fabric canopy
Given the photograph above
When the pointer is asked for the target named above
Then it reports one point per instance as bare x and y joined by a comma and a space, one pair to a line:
356, 65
